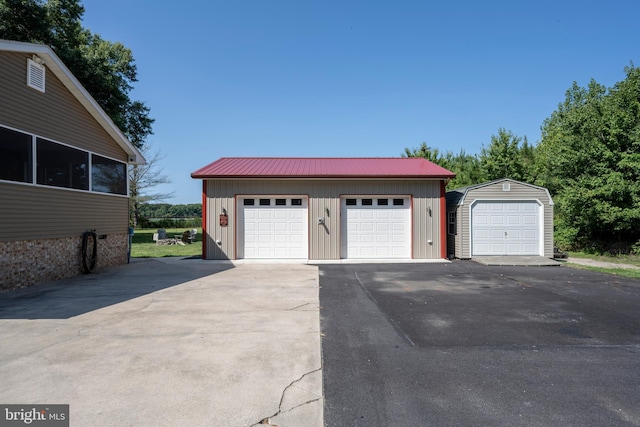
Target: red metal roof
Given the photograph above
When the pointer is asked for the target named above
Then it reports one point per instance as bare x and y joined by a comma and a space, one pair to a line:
322, 167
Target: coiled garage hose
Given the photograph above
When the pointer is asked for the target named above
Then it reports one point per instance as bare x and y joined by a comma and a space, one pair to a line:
89, 251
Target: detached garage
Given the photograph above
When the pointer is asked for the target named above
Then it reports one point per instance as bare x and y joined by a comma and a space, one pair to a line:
503, 217
323, 208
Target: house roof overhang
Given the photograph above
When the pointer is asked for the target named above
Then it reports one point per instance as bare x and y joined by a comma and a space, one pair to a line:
322, 168
57, 67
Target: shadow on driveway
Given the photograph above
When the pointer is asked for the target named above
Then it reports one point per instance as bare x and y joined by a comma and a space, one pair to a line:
78, 295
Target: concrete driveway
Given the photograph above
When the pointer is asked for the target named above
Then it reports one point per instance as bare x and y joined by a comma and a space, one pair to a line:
168, 342
466, 344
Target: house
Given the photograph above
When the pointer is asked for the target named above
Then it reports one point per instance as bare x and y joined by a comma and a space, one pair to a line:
502, 217
323, 208
63, 171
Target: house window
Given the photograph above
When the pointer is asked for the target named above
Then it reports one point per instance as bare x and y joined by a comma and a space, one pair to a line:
248, 202
351, 202
16, 156
367, 202
61, 166
108, 176
383, 202
451, 222
296, 202
281, 202
398, 202
265, 202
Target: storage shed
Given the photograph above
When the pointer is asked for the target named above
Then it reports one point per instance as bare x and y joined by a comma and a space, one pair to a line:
323, 208
502, 217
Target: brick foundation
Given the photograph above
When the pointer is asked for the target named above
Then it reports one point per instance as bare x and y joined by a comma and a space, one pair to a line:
26, 263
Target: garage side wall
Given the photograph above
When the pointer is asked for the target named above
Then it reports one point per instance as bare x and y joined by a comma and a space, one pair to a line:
517, 191
324, 201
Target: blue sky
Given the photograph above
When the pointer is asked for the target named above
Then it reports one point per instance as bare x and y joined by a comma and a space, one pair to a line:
356, 78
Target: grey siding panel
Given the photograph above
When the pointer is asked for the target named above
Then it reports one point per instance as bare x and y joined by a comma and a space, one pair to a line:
28, 212
324, 201
55, 114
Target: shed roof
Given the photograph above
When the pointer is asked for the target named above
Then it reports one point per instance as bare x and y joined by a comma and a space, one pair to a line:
322, 167
457, 195
55, 64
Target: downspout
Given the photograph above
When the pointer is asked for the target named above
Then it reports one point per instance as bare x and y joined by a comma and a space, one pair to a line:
443, 221
204, 219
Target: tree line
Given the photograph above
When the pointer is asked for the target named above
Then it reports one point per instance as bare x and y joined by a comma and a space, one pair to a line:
166, 210
588, 157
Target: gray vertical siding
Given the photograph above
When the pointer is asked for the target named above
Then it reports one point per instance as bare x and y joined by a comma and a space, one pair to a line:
324, 200
518, 191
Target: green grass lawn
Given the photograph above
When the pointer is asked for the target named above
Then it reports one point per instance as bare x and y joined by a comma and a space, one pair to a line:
624, 272
617, 259
143, 245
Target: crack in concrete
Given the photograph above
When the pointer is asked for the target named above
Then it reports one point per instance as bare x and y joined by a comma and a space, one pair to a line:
301, 305
267, 420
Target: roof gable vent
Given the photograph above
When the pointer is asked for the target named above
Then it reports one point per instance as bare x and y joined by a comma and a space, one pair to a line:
35, 74
506, 186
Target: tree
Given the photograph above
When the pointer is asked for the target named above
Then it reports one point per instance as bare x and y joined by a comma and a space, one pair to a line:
465, 166
107, 70
143, 178
502, 158
590, 158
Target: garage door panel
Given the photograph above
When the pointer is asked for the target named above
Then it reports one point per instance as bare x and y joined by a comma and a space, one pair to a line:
480, 234
496, 234
481, 219
264, 227
496, 220
376, 231
505, 228
383, 227
273, 231
368, 238
513, 220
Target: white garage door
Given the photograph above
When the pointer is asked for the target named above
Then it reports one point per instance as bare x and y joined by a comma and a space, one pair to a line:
376, 227
274, 227
505, 228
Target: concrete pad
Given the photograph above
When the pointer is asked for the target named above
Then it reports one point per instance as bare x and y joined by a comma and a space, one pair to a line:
530, 261
165, 342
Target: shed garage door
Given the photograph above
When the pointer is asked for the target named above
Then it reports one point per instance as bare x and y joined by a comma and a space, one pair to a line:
377, 227
273, 228
505, 228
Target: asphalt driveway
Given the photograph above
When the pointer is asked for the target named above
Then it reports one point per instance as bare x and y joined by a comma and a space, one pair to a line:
465, 344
